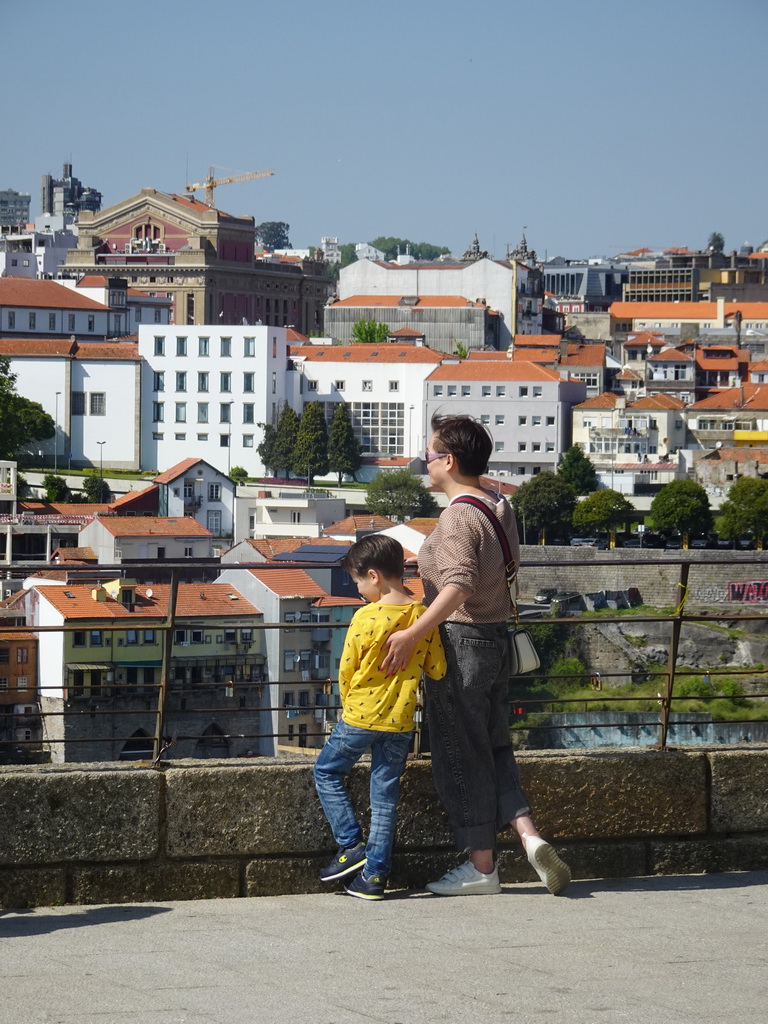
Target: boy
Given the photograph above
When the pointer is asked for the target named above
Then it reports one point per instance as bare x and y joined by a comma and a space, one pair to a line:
377, 715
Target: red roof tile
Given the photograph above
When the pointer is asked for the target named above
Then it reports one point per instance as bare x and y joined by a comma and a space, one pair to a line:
289, 582
153, 526
40, 294
196, 600
354, 523
384, 353
509, 370
424, 301
745, 396
176, 471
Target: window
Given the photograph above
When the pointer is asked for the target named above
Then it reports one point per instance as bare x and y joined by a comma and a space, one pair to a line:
98, 403
550, 446
181, 381
522, 446
550, 421
225, 412
223, 440
3, 682
451, 390
158, 381
12, 321
499, 421
158, 317
181, 346
537, 391
249, 346
202, 412
226, 347
247, 440
78, 403
214, 492
179, 636
181, 412
248, 416
22, 655
394, 385
535, 421
203, 346
486, 419
523, 391
159, 346
339, 385
288, 694
97, 638
437, 391
501, 391
91, 322
485, 391
522, 421
521, 470
311, 385
295, 517
158, 412
78, 638
367, 385
202, 381
131, 636
498, 446
189, 552
248, 379
225, 381
202, 437
149, 636
465, 390
51, 321
536, 446
32, 319
288, 665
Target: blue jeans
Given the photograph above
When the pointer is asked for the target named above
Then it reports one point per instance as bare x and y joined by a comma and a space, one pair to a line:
473, 763
343, 749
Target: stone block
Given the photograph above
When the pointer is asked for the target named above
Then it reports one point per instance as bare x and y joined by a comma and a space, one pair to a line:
80, 814
586, 860
287, 876
739, 790
697, 856
613, 794
32, 887
156, 883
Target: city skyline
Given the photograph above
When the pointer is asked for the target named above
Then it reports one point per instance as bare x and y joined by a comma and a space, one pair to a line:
596, 130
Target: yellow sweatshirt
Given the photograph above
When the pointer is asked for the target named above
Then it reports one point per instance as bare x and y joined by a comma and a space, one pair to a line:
370, 699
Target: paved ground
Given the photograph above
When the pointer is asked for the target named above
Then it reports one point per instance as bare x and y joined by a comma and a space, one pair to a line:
681, 949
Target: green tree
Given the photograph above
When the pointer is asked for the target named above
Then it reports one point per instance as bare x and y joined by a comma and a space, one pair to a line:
55, 487
578, 470
460, 349
310, 452
603, 510
273, 234
266, 449
545, 502
419, 250
347, 250
21, 420
369, 332
238, 474
345, 456
96, 489
399, 494
285, 438
745, 511
715, 242
682, 505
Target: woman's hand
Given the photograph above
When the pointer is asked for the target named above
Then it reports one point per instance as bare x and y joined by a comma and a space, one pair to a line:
399, 647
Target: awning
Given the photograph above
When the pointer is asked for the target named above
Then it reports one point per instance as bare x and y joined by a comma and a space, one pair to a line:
75, 666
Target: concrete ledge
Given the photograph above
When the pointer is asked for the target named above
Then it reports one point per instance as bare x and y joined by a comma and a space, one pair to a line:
112, 834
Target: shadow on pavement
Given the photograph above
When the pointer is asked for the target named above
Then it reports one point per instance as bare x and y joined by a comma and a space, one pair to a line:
18, 923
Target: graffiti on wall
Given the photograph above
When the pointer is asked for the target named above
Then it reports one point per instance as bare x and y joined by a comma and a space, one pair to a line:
748, 591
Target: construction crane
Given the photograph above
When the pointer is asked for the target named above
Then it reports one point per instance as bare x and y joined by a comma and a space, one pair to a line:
210, 182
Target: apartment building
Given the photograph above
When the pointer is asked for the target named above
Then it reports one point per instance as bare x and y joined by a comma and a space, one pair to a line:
732, 417
46, 309
20, 727
195, 489
128, 539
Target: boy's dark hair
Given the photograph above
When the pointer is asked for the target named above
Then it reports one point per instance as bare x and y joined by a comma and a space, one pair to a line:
384, 554
466, 439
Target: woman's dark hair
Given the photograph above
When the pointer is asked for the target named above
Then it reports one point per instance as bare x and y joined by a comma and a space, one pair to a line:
384, 554
466, 439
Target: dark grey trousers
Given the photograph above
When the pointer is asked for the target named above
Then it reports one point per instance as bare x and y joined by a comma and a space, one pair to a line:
473, 763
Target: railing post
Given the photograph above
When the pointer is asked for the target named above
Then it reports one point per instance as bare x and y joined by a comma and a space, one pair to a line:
677, 622
162, 693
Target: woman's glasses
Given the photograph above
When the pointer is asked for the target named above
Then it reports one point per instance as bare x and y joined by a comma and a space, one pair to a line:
431, 456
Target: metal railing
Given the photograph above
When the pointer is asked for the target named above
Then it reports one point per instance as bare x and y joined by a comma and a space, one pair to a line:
239, 677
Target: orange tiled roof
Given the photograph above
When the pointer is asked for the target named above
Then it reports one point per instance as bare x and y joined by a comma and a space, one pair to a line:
658, 402
745, 396
604, 401
293, 335
268, 547
645, 466
509, 370
424, 301
53, 347
736, 454
537, 340
384, 460
131, 496
176, 471
671, 354
687, 310
193, 600
481, 354
62, 508
153, 526
384, 353
329, 601
289, 582
627, 374
354, 523
406, 332
74, 555
536, 355
92, 281
40, 294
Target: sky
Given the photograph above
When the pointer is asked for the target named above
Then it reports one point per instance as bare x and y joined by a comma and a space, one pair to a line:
595, 126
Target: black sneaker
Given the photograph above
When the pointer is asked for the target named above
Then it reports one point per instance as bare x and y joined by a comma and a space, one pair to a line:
367, 888
346, 861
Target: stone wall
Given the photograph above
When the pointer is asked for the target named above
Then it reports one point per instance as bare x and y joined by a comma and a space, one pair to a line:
106, 833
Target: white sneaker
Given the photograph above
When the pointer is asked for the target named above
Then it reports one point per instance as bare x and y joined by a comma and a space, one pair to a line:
466, 880
553, 872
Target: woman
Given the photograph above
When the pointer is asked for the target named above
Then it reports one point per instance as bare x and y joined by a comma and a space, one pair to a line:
462, 568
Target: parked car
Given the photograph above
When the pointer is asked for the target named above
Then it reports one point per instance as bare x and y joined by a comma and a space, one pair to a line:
545, 595
673, 543
589, 542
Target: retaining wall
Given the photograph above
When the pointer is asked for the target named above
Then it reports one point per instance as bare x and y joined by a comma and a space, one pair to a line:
106, 833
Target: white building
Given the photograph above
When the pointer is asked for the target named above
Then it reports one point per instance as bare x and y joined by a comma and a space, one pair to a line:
116, 539
36, 252
274, 512
330, 249
198, 490
206, 389
34, 308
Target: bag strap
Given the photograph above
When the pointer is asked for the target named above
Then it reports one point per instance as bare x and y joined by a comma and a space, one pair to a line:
510, 569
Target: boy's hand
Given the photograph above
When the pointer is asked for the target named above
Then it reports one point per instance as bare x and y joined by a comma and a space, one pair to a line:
399, 647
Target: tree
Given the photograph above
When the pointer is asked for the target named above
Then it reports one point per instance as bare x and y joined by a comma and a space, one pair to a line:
682, 505
399, 494
348, 253
419, 250
369, 332
238, 474
310, 452
345, 456
55, 487
460, 349
96, 489
603, 510
21, 420
273, 234
578, 470
285, 439
266, 449
545, 502
745, 511
715, 242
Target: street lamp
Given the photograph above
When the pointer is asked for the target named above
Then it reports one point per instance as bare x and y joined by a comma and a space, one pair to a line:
56, 434
101, 468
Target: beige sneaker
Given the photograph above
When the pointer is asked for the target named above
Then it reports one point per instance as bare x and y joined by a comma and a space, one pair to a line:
466, 880
553, 872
